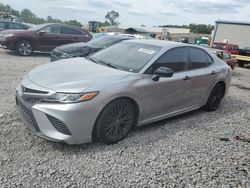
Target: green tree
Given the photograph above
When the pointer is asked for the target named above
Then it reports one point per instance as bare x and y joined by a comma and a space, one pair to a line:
73, 22
112, 16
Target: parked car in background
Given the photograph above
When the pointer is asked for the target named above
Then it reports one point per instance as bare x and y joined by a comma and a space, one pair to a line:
231, 48
82, 49
244, 57
226, 56
132, 83
7, 25
43, 37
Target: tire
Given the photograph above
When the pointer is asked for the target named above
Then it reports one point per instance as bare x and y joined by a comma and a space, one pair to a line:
215, 97
115, 121
241, 64
24, 48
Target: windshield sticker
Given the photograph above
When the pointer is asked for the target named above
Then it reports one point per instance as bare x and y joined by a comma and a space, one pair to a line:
147, 51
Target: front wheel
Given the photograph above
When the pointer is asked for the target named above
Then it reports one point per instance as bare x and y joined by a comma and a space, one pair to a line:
115, 121
24, 48
215, 97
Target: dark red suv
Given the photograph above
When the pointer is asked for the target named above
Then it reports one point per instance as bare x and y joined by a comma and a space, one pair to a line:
43, 37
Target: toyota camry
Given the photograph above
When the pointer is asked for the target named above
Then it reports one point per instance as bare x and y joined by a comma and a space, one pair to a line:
129, 84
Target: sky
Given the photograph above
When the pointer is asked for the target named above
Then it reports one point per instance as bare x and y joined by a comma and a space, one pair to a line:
138, 12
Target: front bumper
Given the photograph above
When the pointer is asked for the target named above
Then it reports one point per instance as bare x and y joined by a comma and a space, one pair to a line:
3, 44
7, 43
69, 123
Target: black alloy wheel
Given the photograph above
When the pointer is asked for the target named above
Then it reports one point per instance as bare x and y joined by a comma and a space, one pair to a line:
115, 121
215, 97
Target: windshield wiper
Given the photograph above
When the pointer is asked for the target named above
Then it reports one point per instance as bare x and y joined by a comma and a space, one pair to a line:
110, 65
102, 62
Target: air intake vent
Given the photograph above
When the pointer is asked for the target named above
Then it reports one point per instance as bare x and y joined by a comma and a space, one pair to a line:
58, 125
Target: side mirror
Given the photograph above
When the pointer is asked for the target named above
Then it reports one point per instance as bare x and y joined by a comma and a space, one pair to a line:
162, 72
41, 33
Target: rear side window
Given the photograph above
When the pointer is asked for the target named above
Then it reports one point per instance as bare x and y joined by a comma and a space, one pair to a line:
70, 31
199, 58
176, 59
2, 25
15, 26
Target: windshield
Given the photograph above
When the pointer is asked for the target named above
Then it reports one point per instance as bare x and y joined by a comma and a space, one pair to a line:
103, 42
37, 27
128, 56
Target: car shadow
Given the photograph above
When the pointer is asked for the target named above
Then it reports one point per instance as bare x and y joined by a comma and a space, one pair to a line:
34, 54
161, 129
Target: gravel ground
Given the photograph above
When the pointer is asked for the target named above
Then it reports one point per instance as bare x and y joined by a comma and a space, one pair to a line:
184, 151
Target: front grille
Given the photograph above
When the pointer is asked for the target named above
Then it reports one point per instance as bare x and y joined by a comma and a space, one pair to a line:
28, 90
27, 115
58, 125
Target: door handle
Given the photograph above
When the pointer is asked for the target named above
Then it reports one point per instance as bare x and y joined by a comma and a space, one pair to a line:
213, 72
187, 78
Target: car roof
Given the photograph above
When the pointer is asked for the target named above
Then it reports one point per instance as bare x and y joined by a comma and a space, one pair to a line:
161, 43
61, 24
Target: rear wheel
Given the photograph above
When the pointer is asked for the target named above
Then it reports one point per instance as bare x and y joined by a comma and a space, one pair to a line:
215, 97
115, 121
24, 48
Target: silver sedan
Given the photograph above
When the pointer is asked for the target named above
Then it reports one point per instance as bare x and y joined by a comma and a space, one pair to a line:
129, 84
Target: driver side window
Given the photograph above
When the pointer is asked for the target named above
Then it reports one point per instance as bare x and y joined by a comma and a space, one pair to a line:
175, 59
52, 29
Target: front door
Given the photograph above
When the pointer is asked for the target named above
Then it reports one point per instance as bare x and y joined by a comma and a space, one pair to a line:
49, 38
168, 95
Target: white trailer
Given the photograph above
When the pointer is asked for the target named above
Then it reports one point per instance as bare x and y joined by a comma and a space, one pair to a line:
234, 33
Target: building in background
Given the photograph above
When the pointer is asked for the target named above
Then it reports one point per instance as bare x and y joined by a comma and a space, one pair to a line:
232, 32
155, 32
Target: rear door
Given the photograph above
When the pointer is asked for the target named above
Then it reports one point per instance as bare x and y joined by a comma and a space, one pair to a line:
70, 35
168, 95
202, 75
48, 38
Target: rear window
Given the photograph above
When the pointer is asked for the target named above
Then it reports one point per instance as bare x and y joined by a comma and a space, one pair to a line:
226, 56
70, 31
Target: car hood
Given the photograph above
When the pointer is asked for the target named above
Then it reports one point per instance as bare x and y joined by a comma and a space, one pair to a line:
74, 75
78, 48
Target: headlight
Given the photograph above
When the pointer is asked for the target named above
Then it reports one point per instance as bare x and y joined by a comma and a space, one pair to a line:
71, 98
66, 55
9, 35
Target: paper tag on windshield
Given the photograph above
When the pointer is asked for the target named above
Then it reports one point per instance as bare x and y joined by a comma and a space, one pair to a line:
147, 51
